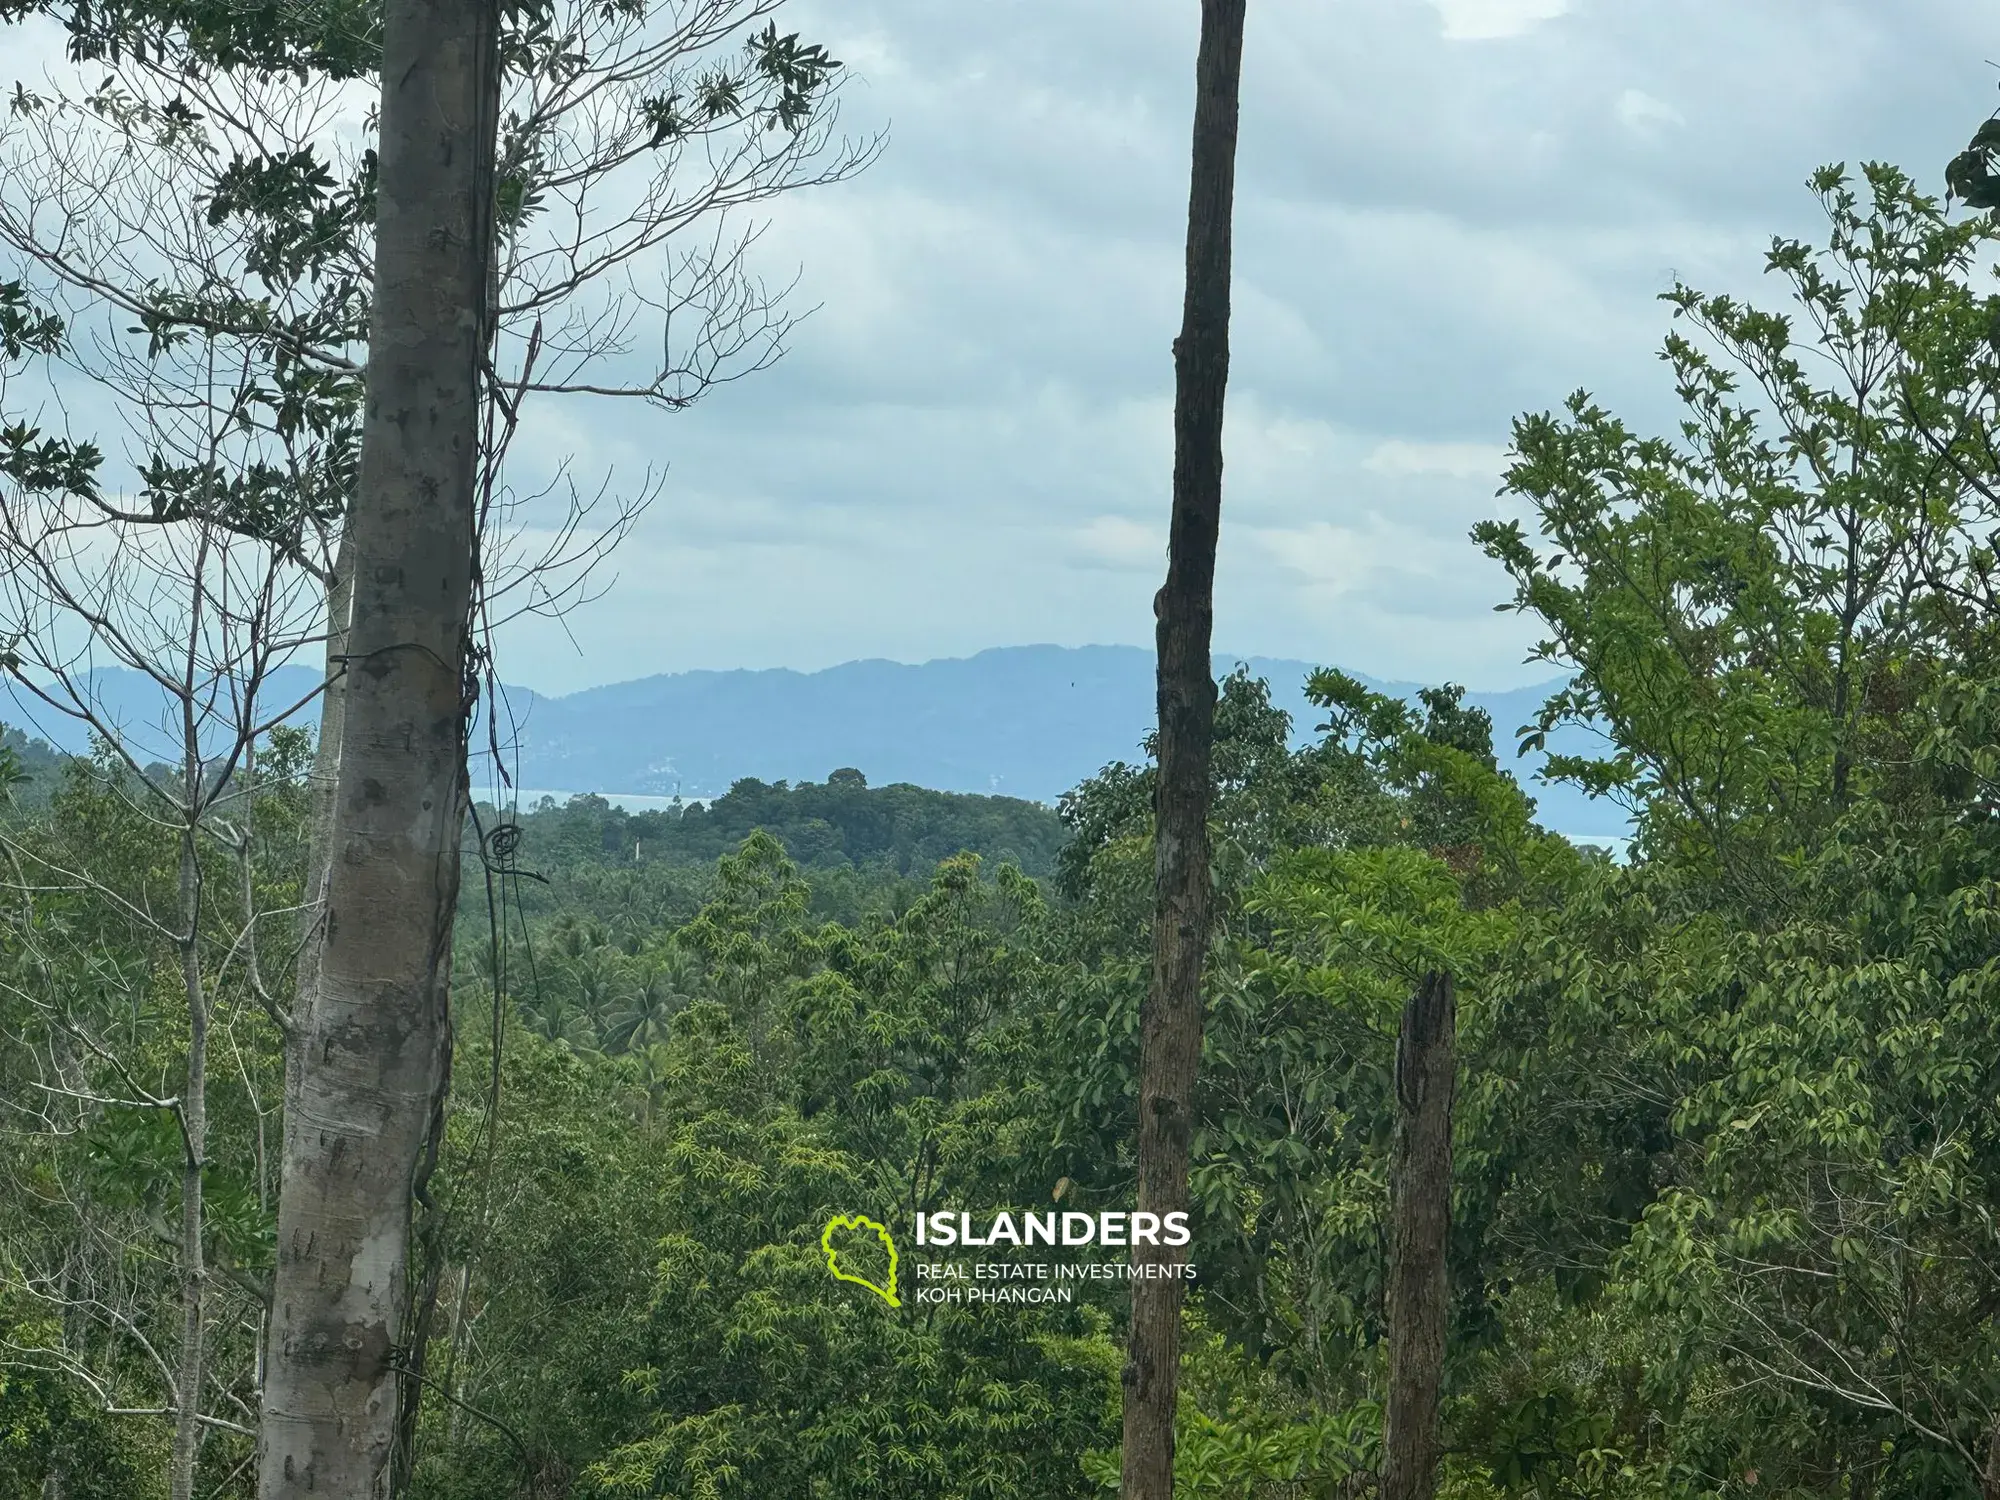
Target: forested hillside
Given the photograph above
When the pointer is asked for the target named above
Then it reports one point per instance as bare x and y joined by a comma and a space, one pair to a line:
839, 823
35, 765
696, 1059
859, 849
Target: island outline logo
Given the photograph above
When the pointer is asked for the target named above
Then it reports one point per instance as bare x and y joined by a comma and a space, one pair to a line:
860, 1221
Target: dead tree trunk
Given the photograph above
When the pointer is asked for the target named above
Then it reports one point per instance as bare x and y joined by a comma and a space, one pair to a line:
1171, 1021
1419, 1222
373, 1051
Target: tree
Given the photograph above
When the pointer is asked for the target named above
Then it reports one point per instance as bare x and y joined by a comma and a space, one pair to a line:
373, 1036
1346, 871
1756, 611
1783, 621
1171, 1023
161, 836
216, 196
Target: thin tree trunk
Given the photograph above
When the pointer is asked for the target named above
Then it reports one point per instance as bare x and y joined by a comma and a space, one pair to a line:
453, 1381
186, 1451
1419, 1222
1171, 1020
373, 1051
55, 1482
321, 782
194, 1121
246, 870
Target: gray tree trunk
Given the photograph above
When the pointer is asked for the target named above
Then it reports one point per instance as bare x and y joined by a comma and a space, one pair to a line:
188, 1374
373, 1049
1419, 1224
1171, 1019
193, 1110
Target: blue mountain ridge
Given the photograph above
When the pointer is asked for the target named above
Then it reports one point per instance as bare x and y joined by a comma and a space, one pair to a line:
1020, 721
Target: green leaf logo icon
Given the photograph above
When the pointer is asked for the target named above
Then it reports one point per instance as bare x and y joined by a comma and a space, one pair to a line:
848, 1223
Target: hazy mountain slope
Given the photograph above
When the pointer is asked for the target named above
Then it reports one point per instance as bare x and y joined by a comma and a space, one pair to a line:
1024, 721
137, 708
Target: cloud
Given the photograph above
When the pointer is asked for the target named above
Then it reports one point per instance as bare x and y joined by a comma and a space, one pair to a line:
1639, 112
1122, 544
1454, 460
1492, 20
1338, 559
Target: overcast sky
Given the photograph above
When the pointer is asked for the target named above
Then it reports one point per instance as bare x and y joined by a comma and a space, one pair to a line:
1448, 212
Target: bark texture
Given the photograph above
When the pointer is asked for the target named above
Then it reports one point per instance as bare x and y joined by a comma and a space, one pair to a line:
1171, 1019
373, 1040
1419, 1224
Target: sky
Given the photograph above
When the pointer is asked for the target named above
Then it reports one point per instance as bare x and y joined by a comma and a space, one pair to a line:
1448, 212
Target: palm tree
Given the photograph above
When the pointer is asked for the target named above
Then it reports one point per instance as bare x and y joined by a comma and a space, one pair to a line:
554, 1017
659, 994
600, 983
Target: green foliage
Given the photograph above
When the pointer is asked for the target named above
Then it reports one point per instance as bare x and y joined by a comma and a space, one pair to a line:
45, 1428
665, 1193
1782, 624
1969, 177
93, 1052
845, 821
29, 460
1757, 611
1243, 1434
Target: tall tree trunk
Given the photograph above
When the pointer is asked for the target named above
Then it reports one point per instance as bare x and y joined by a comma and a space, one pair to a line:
1171, 1020
188, 1374
1419, 1222
374, 1046
185, 1453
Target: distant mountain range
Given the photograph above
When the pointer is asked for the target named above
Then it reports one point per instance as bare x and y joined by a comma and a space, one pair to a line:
1023, 721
